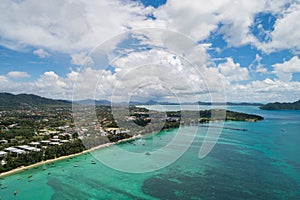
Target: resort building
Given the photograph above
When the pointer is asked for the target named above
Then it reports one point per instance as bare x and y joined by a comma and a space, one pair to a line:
28, 148
45, 142
14, 150
3, 153
54, 143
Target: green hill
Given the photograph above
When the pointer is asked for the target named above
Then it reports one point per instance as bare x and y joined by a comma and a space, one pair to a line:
281, 106
28, 101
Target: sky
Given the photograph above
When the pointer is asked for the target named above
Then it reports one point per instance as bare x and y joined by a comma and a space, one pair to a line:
164, 50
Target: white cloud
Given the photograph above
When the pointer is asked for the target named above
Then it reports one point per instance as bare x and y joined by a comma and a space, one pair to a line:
78, 26
284, 71
233, 71
81, 59
41, 53
198, 19
286, 31
66, 26
50, 79
256, 65
3, 78
267, 90
17, 74
101, 84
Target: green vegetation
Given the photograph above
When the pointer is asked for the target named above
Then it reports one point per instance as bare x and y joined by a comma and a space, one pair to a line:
281, 106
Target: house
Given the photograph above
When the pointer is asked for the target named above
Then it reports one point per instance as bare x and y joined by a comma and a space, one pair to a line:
46, 142
28, 148
3, 153
3, 141
54, 143
34, 143
14, 150
64, 141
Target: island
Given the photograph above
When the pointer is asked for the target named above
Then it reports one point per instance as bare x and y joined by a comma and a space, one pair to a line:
281, 106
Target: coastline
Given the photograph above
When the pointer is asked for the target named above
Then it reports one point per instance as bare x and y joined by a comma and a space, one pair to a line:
16, 170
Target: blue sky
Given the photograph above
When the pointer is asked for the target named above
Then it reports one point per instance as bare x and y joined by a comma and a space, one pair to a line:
252, 46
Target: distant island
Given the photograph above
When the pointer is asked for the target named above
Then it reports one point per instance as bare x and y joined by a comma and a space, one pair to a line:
281, 106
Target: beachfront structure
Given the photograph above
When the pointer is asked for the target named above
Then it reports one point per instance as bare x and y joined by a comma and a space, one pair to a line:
14, 150
3, 162
34, 144
3, 141
3, 153
55, 140
28, 148
117, 130
45, 142
54, 143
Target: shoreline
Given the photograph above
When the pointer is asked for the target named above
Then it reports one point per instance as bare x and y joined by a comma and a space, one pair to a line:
19, 169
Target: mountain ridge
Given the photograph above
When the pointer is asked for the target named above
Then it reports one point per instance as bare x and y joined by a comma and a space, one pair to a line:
16, 101
281, 106
8, 100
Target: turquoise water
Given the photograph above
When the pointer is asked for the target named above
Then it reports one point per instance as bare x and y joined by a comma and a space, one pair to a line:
262, 162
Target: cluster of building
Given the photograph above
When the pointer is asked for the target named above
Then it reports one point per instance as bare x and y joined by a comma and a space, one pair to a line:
22, 149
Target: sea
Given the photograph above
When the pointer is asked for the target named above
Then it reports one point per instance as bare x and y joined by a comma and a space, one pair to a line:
250, 160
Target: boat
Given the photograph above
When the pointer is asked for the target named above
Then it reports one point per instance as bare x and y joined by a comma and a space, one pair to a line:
93, 162
31, 180
29, 176
75, 165
148, 153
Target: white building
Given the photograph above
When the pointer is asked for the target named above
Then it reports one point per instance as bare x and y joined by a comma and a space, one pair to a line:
3, 153
14, 150
28, 148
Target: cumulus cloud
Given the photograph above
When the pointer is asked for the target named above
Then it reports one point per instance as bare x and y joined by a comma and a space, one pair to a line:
286, 31
3, 78
81, 59
256, 65
66, 26
266, 90
284, 71
17, 74
78, 26
41, 53
150, 82
233, 71
198, 19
